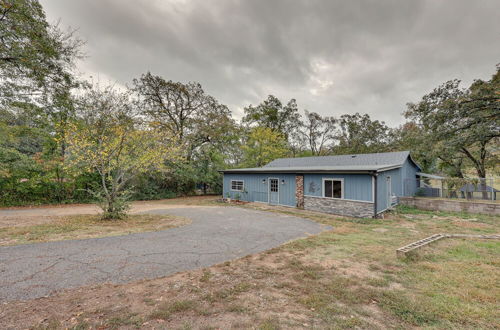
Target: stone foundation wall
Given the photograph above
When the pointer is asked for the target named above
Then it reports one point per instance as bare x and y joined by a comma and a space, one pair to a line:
450, 205
299, 191
339, 206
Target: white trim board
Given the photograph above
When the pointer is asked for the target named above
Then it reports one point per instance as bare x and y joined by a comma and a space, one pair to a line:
332, 179
373, 189
269, 190
231, 185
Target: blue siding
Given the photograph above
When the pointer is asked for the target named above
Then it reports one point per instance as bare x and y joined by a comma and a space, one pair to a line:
381, 193
256, 191
356, 186
409, 178
396, 186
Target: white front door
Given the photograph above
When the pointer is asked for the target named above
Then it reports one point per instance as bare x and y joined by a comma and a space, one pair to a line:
274, 191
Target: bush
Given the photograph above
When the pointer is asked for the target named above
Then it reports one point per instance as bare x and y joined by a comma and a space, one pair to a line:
420, 192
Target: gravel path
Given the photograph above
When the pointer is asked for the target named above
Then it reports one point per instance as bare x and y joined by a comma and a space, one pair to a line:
217, 234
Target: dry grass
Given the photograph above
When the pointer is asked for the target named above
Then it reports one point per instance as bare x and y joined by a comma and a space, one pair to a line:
87, 226
209, 200
349, 277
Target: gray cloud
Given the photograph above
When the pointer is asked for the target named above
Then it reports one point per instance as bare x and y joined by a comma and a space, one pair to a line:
334, 57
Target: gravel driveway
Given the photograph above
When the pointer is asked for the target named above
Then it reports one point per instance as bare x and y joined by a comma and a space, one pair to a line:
217, 234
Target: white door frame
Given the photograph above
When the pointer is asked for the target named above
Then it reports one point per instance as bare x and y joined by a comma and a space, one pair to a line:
269, 190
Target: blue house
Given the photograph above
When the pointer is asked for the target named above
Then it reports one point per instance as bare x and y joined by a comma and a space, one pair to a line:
360, 185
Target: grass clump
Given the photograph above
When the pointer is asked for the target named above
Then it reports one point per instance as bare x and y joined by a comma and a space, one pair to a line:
165, 310
270, 324
125, 319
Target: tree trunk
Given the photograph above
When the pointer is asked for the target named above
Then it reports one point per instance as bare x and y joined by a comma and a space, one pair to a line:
479, 164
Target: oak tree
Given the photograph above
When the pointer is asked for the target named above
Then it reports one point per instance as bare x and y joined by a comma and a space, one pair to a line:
110, 138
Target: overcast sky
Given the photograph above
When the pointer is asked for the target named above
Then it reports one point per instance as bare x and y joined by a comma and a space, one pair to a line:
333, 57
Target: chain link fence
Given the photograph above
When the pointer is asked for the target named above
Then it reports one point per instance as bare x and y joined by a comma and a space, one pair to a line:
458, 188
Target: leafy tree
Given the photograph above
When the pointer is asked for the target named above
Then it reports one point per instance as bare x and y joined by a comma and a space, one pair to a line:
271, 113
37, 61
318, 132
184, 110
35, 57
204, 128
360, 134
262, 146
109, 139
464, 123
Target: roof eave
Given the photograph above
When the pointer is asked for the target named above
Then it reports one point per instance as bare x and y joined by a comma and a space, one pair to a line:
307, 171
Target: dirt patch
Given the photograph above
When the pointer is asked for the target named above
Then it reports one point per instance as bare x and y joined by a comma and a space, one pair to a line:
260, 290
29, 216
380, 230
87, 226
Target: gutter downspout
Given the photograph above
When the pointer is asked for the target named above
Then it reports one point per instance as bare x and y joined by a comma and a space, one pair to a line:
375, 175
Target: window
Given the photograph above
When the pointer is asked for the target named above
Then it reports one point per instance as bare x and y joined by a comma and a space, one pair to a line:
237, 185
273, 185
333, 188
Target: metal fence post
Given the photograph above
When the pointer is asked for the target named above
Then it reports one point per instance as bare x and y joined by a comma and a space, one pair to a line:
491, 186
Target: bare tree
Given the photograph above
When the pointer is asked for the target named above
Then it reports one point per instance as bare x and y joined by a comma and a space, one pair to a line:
318, 132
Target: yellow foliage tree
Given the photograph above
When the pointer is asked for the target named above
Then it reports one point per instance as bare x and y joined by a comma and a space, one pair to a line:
263, 145
109, 138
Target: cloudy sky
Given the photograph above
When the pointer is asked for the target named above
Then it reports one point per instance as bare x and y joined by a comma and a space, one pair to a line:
333, 57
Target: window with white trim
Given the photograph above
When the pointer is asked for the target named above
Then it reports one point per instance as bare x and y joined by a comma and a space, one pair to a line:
333, 188
237, 185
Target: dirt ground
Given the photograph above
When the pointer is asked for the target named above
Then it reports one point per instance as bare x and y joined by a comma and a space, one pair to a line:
260, 291
36, 215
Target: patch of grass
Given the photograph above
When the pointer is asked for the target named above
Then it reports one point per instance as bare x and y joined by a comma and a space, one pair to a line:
457, 286
432, 284
311, 242
149, 301
407, 309
208, 200
50, 324
229, 293
88, 226
125, 318
206, 276
236, 308
405, 209
82, 325
165, 310
378, 282
304, 271
270, 324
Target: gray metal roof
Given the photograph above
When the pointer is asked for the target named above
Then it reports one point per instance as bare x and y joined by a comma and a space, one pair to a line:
314, 169
374, 159
430, 176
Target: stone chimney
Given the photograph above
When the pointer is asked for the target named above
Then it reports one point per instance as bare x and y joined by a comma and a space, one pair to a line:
299, 190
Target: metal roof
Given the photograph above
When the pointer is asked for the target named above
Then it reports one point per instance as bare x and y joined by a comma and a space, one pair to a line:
430, 176
315, 169
373, 159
